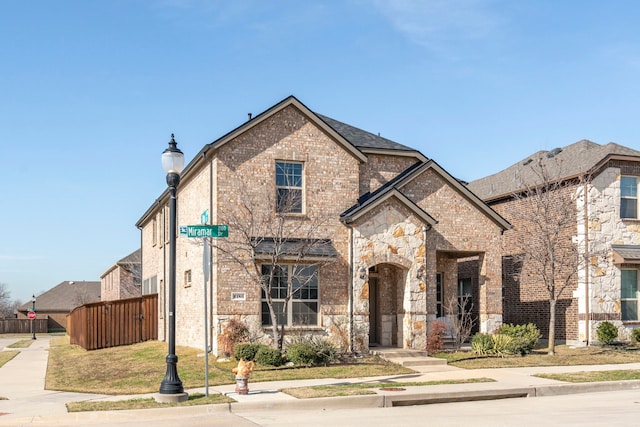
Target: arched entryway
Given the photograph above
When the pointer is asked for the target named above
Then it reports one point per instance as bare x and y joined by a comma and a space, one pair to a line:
386, 312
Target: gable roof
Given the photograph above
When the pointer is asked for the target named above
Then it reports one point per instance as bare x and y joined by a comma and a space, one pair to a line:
355, 141
394, 188
132, 260
577, 159
65, 296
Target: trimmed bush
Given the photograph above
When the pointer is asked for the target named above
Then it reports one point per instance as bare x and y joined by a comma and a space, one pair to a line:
606, 332
301, 353
482, 344
269, 356
635, 335
525, 337
246, 351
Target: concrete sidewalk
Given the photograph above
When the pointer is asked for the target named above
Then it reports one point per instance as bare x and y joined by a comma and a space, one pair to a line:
28, 403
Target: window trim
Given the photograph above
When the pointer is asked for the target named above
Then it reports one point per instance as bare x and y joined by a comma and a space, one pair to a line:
290, 187
293, 300
629, 197
636, 299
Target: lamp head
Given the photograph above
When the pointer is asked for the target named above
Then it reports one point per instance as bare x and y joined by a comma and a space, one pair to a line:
172, 158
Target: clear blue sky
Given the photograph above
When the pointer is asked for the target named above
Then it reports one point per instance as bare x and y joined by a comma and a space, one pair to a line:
92, 90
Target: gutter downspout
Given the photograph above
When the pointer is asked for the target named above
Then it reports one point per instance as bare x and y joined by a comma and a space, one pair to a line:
587, 315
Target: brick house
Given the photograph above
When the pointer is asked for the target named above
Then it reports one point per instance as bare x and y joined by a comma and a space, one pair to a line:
396, 223
122, 279
56, 303
602, 183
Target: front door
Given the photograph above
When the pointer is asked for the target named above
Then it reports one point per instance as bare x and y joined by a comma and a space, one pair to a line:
373, 311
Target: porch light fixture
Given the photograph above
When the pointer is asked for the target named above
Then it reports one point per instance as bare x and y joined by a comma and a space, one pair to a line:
362, 272
421, 272
171, 389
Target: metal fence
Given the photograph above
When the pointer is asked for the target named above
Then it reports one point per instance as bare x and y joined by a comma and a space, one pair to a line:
113, 323
23, 326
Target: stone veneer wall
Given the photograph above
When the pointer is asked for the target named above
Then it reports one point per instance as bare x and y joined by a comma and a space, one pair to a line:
605, 228
391, 234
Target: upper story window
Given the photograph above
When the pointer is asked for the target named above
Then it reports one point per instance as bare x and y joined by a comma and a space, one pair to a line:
629, 295
629, 197
289, 193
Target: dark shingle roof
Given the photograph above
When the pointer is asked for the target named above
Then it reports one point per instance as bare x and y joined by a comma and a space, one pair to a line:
65, 297
361, 138
292, 247
570, 161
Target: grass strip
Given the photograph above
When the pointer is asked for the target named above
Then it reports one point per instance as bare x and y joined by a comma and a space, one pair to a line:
145, 403
359, 389
594, 376
6, 355
21, 344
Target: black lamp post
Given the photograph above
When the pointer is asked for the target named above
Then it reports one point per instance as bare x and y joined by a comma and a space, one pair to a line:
172, 163
33, 308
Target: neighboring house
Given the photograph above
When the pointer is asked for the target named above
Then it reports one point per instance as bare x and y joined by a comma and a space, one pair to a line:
397, 224
603, 181
122, 279
59, 301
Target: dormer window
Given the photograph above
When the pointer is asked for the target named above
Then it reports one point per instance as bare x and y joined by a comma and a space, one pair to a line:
289, 194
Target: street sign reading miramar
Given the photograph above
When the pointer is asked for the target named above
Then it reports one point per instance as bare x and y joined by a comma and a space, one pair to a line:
214, 231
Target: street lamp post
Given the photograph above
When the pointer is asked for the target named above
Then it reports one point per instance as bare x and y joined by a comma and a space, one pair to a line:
33, 326
171, 388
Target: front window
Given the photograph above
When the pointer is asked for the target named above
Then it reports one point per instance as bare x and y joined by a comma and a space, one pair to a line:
303, 305
628, 197
629, 295
289, 187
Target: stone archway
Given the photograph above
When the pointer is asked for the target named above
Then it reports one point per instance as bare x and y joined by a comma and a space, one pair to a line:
386, 295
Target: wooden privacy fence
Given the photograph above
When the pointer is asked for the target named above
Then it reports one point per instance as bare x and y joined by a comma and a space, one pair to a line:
113, 323
23, 326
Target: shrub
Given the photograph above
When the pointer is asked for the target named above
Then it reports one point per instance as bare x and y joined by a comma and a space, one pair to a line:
246, 351
269, 356
301, 353
434, 338
635, 335
236, 331
326, 351
502, 344
607, 332
482, 344
525, 337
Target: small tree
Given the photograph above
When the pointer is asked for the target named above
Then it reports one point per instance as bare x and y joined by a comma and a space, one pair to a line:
460, 320
274, 248
544, 218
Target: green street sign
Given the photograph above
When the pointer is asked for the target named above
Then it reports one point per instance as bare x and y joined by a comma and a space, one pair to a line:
214, 231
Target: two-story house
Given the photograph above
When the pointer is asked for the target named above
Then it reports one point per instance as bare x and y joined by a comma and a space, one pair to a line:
602, 183
394, 225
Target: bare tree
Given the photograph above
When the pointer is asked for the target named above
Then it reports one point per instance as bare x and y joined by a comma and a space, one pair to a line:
5, 300
7, 306
459, 318
544, 218
281, 253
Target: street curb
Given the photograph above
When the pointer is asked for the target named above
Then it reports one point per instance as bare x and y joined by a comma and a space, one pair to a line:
386, 401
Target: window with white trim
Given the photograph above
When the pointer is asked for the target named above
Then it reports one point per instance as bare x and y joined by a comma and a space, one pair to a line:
629, 197
303, 306
629, 294
289, 194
